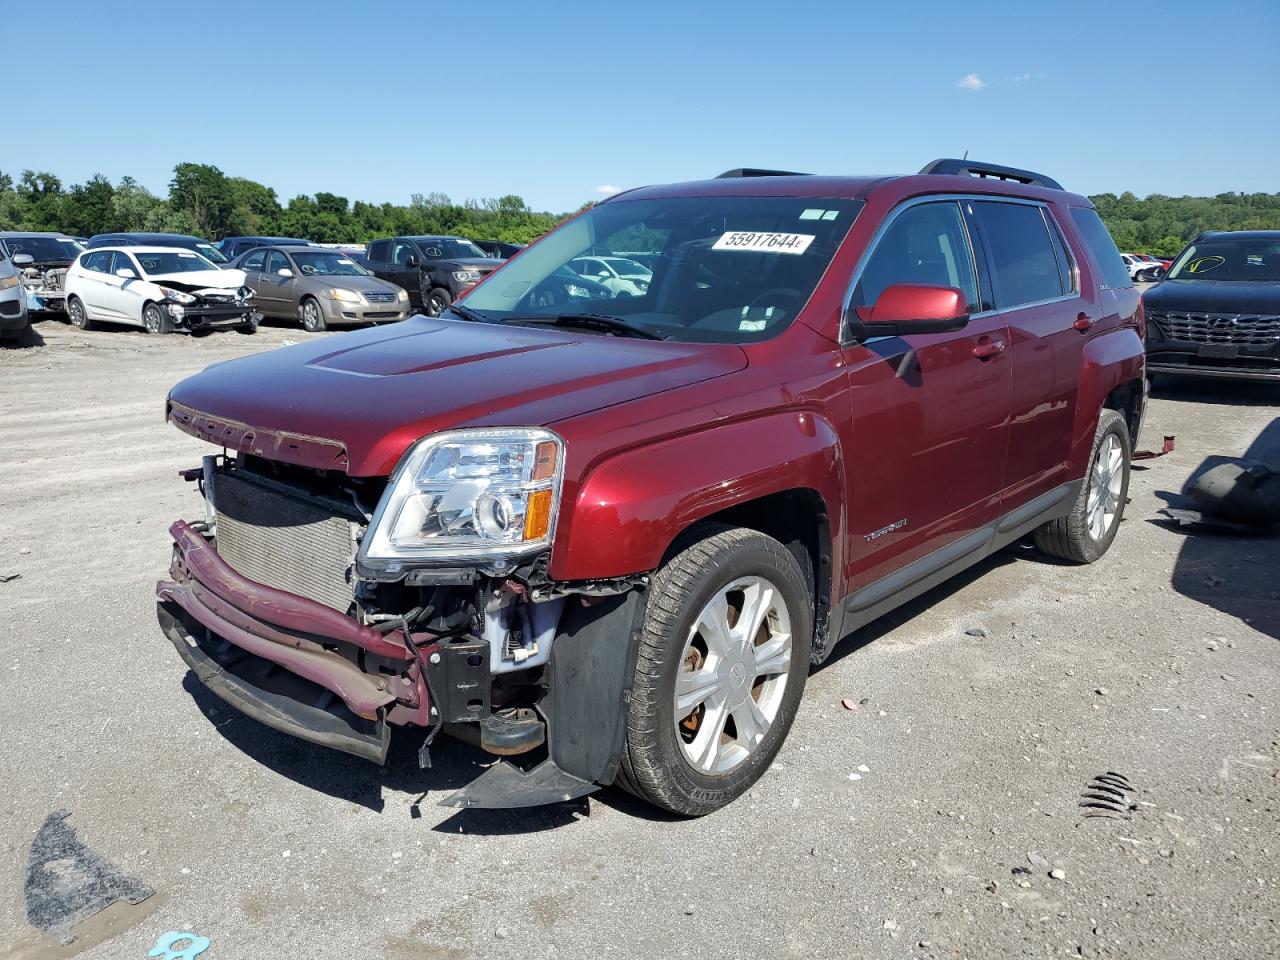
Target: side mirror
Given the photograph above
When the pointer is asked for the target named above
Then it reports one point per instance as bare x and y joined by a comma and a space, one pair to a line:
905, 308
411, 262
23, 259
124, 273
284, 272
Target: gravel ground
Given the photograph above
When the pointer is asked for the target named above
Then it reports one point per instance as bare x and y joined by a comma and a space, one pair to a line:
939, 819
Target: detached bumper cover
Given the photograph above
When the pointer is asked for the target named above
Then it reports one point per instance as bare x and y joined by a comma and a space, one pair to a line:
233, 633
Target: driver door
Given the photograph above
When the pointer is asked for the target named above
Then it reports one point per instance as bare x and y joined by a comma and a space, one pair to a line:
276, 294
929, 426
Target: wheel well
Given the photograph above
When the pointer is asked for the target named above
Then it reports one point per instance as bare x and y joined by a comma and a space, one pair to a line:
798, 520
1127, 399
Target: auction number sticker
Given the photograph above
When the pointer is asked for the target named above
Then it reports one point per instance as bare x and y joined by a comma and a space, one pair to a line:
764, 242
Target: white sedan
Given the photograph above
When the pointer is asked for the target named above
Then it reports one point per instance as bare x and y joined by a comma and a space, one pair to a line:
621, 276
160, 289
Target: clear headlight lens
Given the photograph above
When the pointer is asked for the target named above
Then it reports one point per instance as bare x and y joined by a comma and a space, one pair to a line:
573, 290
466, 276
7, 283
177, 296
346, 296
471, 494
403, 295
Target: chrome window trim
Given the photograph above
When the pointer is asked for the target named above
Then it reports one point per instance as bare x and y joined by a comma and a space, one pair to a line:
846, 340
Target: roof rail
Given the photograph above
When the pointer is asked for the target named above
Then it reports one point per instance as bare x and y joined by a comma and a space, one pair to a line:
757, 172
994, 171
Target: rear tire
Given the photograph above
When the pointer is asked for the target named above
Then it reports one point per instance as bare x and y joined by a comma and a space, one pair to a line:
312, 315
77, 315
740, 682
155, 320
1085, 534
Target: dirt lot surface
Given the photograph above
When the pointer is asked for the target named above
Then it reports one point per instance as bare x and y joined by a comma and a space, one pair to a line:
939, 819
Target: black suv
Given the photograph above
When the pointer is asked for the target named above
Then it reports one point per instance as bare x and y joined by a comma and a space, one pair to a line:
435, 270
1217, 311
180, 240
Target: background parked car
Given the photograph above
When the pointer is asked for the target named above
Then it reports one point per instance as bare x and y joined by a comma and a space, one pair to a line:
498, 249
623, 277
159, 289
434, 270
200, 246
319, 287
14, 318
232, 247
42, 275
1142, 268
1217, 312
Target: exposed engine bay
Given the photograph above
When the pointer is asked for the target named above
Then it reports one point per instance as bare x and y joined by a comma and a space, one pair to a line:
269, 606
45, 287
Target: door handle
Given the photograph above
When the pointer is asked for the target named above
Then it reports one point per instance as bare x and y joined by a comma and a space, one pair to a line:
988, 349
1083, 322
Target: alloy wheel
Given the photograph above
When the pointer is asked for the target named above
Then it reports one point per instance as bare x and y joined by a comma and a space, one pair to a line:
75, 313
151, 319
311, 319
1106, 480
732, 674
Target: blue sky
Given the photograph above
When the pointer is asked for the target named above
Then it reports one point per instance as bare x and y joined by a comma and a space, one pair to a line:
557, 101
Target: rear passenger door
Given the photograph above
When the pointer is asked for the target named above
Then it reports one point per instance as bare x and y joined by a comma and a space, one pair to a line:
406, 269
97, 267
276, 293
1035, 281
253, 266
929, 411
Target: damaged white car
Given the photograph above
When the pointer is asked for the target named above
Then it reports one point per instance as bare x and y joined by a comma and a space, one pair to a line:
161, 289
41, 261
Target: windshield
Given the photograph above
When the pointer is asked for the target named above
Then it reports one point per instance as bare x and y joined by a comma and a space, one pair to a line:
725, 269
179, 261
1229, 259
448, 248
212, 253
328, 264
44, 249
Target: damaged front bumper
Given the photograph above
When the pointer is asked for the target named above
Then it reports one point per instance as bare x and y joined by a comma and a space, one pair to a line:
311, 671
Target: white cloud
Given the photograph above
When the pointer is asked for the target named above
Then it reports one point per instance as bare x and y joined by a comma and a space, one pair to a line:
971, 81
608, 189
1024, 77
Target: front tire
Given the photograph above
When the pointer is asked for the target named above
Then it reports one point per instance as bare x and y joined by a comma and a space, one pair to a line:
723, 658
437, 301
312, 316
155, 320
77, 315
1085, 534
250, 326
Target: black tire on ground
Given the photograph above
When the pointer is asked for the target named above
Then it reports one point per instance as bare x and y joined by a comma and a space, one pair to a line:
76, 314
156, 320
312, 315
1069, 537
436, 302
250, 326
654, 763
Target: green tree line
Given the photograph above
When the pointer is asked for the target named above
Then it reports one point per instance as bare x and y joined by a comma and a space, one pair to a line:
205, 201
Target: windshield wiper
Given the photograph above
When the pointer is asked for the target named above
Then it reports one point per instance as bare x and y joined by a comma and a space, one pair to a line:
466, 313
601, 320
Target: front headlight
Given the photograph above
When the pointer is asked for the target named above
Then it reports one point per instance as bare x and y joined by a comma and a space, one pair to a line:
573, 290
346, 296
7, 283
177, 296
466, 276
403, 295
471, 494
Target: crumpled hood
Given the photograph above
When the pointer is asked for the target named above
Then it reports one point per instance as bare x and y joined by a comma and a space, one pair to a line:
376, 391
1214, 296
198, 281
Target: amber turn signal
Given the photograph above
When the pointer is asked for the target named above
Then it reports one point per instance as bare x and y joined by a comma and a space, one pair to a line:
537, 515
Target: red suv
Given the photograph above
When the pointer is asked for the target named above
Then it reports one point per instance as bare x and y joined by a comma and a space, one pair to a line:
606, 538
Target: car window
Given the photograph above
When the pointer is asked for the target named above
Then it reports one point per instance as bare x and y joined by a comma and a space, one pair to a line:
276, 261
254, 261
121, 261
1104, 250
99, 262
1024, 265
1066, 261
402, 252
927, 243
378, 250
